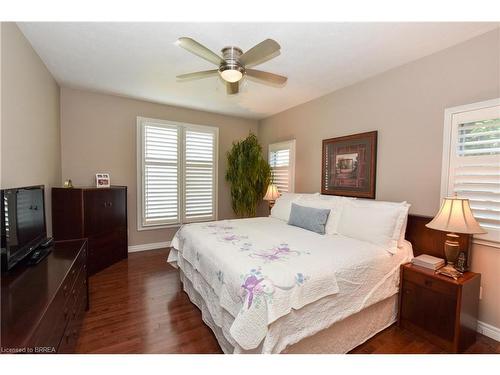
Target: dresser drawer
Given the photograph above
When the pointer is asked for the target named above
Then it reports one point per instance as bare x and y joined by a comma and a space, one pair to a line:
430, 283
78, 265
75, 315
49, 331
51, 328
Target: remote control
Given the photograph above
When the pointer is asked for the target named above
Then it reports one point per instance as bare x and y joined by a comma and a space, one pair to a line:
47, 243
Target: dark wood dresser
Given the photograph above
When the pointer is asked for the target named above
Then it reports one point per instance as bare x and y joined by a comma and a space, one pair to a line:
43, 306
100, 215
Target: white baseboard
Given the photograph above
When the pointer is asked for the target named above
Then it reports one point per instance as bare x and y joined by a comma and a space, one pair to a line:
488, 330
148, 246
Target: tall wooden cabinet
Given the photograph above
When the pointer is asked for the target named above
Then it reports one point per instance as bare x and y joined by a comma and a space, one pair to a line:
97, 214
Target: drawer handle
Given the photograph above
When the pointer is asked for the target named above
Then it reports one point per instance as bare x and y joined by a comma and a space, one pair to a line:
107, 204
428, 283
73, 272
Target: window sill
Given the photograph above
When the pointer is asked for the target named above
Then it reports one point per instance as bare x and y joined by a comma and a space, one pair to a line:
153, 227
177, 225
489, 243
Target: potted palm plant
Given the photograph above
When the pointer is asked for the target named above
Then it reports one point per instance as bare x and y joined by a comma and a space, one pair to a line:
248, 174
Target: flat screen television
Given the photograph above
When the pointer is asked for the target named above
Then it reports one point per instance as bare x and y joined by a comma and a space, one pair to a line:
23, 226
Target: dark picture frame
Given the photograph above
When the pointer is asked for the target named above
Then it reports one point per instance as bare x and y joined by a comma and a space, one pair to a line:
349, 165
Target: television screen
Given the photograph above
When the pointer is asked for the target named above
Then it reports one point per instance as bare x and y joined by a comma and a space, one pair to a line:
22, 222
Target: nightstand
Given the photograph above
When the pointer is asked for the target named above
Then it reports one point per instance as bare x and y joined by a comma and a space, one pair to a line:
439, 308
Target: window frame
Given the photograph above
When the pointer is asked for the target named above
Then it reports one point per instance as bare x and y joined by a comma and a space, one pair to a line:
290, 144
140, 156
449, 145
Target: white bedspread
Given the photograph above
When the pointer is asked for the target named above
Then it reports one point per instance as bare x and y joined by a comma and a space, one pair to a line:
259, 270
254, 274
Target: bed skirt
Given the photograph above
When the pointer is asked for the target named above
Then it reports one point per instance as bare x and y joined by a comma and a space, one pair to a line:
345, 335
341, 337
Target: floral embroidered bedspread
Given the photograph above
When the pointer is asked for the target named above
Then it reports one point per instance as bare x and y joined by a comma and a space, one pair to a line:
259, 268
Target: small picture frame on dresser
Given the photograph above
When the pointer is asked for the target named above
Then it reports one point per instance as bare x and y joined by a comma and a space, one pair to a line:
102, 180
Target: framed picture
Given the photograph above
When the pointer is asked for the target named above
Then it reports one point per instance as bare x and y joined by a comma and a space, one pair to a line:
102, 180
349, 165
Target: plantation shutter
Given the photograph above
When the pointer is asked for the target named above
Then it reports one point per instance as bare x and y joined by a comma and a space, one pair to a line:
199, 186
176, 173
282, 162
161, 174
474, 170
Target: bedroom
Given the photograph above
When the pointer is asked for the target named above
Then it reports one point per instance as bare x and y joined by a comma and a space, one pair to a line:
195, 215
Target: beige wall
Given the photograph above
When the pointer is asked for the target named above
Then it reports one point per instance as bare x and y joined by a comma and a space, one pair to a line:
30, 141
98, 134
406, 105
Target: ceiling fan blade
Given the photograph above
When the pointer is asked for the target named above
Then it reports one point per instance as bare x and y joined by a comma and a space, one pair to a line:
195, 75
266, 76
196, 48
260, 52
232, 88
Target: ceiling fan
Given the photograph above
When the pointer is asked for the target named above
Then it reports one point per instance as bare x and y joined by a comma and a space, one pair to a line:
233, 65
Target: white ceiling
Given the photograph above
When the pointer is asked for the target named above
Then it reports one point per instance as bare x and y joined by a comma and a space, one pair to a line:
140, 60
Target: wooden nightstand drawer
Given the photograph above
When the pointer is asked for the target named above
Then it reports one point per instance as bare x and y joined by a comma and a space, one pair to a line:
429, 310
430, 282
439, 308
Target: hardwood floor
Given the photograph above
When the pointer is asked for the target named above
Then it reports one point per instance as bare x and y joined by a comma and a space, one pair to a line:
137, 306
395, 340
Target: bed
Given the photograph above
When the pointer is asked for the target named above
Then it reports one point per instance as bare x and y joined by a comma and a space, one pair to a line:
264, 286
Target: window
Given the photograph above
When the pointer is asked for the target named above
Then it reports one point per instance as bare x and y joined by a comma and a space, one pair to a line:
471, 162
282, 162
176, 173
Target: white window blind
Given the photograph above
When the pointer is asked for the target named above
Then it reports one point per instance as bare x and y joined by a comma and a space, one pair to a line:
200, 175
177, 170
161, 170
282, 162
473, 168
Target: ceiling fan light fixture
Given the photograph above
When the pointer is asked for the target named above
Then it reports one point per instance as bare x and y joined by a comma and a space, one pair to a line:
232, 66
231, 75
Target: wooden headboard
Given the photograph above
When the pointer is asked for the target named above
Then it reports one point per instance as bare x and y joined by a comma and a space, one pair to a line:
429, 241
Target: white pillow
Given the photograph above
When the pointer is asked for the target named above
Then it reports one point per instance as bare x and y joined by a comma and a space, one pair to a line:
401, 240
283, 205
404, 213
372, 221
332, 202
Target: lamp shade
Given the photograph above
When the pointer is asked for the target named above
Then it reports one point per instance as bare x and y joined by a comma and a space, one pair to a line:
456, 216
272, 193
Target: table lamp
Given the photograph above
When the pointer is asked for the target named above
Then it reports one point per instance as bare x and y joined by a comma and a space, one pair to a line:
455, 216
272, 194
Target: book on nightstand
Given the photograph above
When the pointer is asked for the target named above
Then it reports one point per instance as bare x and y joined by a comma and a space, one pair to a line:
428, 261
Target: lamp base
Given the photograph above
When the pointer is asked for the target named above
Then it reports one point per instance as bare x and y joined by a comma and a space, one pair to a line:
451, 248
271, 205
